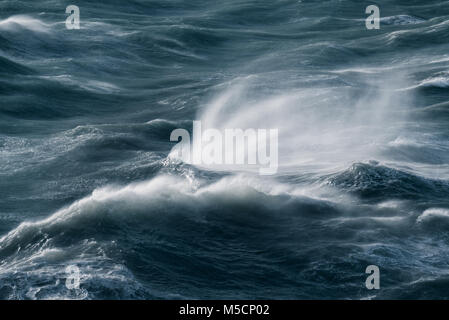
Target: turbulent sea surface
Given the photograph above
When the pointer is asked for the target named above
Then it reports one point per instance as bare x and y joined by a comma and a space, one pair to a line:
86, 178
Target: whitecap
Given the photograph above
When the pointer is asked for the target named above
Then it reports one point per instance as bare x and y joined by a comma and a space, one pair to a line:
439, 82
15, 23
433, 213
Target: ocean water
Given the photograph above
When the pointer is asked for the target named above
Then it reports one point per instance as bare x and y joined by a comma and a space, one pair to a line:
87, 180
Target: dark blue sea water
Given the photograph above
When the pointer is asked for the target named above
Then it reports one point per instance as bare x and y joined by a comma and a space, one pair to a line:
86, 179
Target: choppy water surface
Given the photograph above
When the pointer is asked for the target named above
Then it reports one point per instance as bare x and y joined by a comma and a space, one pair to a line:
85, 121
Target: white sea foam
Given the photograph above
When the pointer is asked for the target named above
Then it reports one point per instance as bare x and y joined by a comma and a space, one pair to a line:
15, 23
163, 191
324, 127
440, 82
432, 213
437, 82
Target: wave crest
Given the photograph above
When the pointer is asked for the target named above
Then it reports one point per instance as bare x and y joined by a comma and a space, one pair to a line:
20, 22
